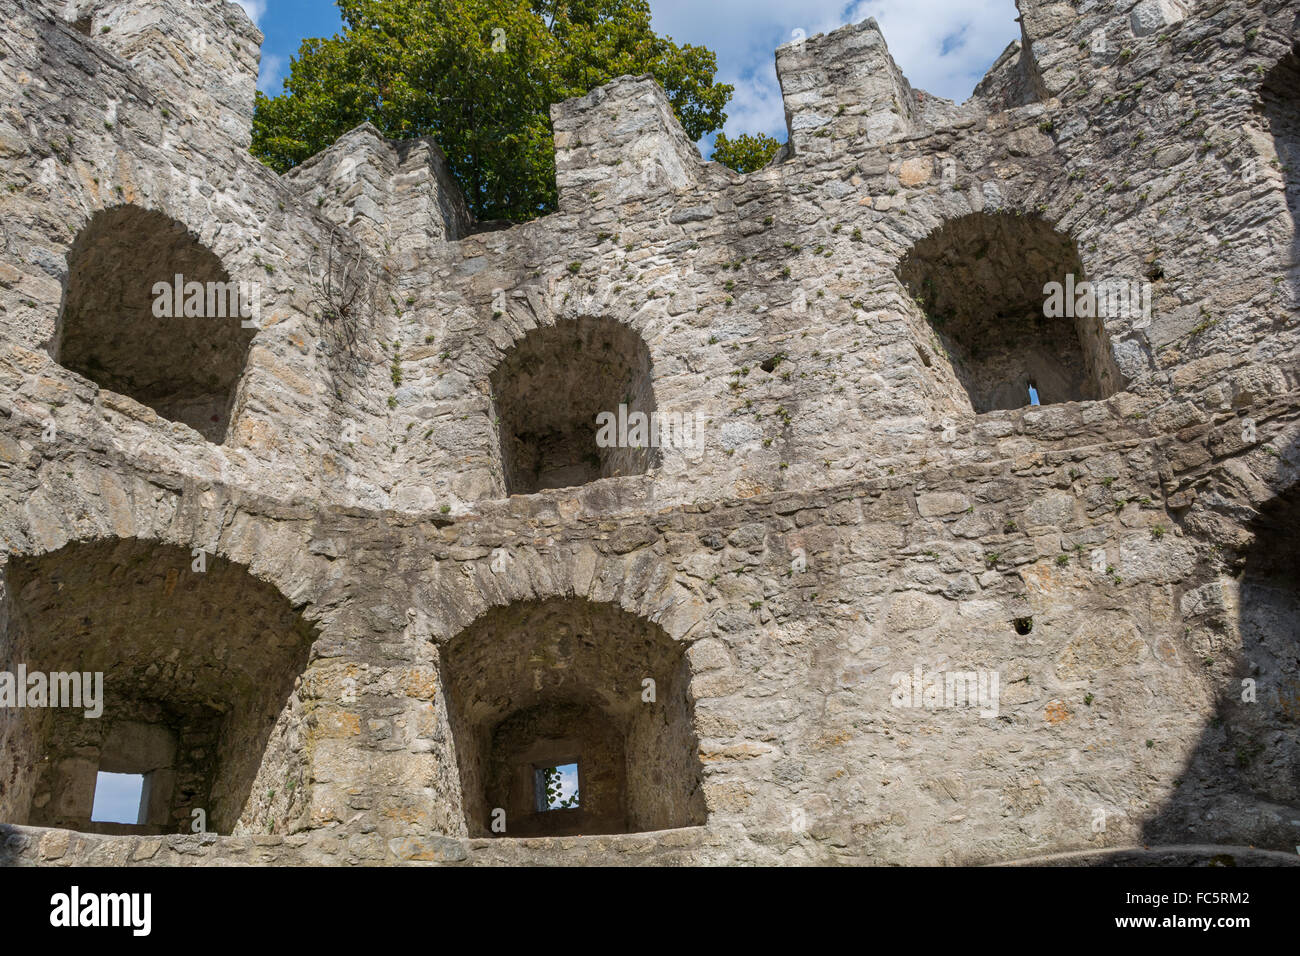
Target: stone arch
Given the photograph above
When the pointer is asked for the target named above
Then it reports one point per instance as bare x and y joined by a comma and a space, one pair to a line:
642, 582
1280, 102
119, 328
981, 281
199, 670
534, 683
547, 392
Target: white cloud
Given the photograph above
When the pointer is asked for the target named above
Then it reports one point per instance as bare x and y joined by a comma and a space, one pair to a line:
254, 9
942, 46
756, 106
270, 74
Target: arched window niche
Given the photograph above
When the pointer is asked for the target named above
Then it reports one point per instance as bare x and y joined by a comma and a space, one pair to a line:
151, 313
1012, 309
572, 717
183, 680
548, 393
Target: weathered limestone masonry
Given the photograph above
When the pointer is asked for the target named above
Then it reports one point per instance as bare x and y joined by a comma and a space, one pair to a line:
354, 569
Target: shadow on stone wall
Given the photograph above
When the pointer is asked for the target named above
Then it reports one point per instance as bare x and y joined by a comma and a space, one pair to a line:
1242, 783
1279, 96
11, 841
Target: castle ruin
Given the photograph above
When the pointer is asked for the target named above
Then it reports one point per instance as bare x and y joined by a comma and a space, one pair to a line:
336, 529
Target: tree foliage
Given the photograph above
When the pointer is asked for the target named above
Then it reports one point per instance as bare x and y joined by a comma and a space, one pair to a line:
480, 77
553, 781
745, 153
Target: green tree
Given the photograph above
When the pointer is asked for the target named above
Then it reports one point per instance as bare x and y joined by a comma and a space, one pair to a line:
480, 77
745, 153
554, 783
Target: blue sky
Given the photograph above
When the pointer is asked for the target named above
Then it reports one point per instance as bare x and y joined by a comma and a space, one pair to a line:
943, 46
286, 23
117, 798
568, 783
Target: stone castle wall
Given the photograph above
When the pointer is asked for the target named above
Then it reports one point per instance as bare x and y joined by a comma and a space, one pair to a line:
855, 325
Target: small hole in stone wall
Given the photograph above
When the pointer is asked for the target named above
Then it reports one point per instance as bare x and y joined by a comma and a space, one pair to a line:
118, 798
1024, 625
556, 787
770, 365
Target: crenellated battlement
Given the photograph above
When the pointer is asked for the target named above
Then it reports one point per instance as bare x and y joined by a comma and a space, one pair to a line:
621, 143
844, 85
392, 195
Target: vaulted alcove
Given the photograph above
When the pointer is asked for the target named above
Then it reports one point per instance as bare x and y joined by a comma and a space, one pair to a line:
197, 669
538, 691
547, 393
981, 281
127, 327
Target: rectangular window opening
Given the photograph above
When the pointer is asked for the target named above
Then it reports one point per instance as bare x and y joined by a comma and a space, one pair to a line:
119, 798
556, 787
